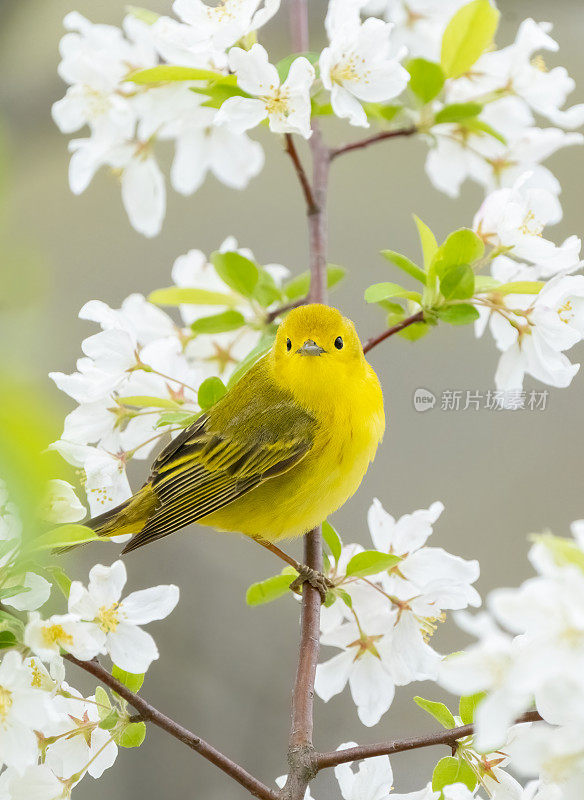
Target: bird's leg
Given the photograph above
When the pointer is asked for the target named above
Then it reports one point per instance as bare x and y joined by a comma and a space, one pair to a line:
305, 573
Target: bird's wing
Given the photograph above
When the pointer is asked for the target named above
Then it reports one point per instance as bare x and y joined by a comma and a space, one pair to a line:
212, 463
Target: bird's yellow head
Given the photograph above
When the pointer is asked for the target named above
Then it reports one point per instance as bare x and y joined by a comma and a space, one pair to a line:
316, 352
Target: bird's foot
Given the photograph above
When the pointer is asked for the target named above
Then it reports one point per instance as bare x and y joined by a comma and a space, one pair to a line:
316, 579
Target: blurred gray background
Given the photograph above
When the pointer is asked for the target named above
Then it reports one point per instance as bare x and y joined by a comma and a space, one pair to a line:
226, 670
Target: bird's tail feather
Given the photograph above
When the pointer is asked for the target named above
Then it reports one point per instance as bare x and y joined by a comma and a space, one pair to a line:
128, 517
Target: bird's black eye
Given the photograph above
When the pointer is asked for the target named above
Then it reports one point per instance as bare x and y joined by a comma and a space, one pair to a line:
339, 343
289, 345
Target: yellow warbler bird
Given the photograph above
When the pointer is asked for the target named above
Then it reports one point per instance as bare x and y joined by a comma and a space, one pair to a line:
284, 448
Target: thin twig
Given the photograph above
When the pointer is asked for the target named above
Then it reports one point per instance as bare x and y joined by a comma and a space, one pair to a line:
148, 713
311, 207
378, 137
375, 340
277, 312
447, 737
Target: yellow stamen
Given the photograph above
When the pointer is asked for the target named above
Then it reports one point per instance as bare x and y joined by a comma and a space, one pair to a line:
568, 310
55, 634
5, 702
108, 618
539, 63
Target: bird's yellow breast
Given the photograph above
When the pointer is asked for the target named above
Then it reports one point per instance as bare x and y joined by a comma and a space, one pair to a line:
350, 426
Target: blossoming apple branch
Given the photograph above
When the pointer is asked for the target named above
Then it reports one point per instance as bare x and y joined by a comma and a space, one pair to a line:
304, 761
145, 374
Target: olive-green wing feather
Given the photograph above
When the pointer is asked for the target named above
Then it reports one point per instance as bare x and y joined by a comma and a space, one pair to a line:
240, 443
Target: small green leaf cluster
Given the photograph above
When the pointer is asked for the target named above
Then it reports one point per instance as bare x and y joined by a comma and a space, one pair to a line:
114, 715
451, 284
464, 765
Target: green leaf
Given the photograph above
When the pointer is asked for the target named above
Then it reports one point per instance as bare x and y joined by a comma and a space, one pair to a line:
103, 702
344, 596
284, 64
461, 247
219, 323
406, 264
182, 295
458, 282
131, 680
484, 283
415, 331
110, 721
8, 622
461, 314
12, 591
520, 287
266, 291
181, 418
61, 578
565, 552
439, 711
427, 240
371, 562
144, 401
480, 126
64, 536
468, 706
426, 79
268, 590
133, 735
237, 271
452, 770
216, 94
383, 113
468, 34
381, 291
7, 639
143, 14
299, 286
332, 539
457, 112
170, 74
254, 355
210, 391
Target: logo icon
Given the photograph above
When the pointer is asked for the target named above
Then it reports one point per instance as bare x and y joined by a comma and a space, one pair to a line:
424, 400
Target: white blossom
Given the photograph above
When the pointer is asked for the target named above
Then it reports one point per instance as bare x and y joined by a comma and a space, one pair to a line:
23, 709
46, 637
38, 782
221, 26
553, 322
372, 780
515, 218
360, 65
119, 621
419, 24
286, 105
62, 504
363, 663
80, 742
517, 70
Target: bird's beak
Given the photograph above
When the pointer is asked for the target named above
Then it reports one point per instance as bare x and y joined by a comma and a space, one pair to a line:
310, 348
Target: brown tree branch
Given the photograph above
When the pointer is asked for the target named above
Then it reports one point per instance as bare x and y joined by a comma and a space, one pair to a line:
378, 137
447, 737
277, 312
311, 207
148, 713
375, 340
